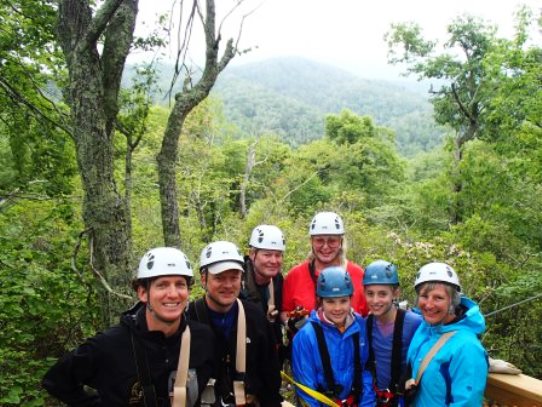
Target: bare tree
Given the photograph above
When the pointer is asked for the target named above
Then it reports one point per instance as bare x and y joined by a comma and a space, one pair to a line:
185, 102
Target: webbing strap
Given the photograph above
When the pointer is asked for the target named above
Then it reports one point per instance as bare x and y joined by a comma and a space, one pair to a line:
397, 349
240, 356
357, 386
332, 387
179, 388
271, 300
324, 356
143, 373
371, 361
322, 398
432, 352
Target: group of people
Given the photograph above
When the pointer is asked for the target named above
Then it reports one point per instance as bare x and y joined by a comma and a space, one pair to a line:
340, 327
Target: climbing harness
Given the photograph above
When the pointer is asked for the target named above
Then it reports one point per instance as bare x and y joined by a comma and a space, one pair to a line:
332, 389
241, 398
388, 396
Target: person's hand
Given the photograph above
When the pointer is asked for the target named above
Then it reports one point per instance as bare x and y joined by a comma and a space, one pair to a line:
296, 319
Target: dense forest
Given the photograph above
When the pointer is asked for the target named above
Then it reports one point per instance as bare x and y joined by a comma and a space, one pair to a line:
84, 187
290, 97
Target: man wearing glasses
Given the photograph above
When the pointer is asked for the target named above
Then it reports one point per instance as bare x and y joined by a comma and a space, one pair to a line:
328, 248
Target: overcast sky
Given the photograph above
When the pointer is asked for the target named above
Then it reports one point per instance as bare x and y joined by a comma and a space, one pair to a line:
345, 33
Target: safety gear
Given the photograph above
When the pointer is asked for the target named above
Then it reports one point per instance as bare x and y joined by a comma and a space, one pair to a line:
459, 370
334, 282
381, 272
220, 256
164, 261
267, 237
437, 272
326, 223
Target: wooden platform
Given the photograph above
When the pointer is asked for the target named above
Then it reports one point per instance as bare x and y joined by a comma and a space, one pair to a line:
514, 390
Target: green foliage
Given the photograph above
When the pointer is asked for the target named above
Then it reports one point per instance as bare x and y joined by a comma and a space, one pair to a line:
46, 307
290, 97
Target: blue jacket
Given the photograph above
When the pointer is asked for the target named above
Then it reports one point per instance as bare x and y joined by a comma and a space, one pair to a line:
307, 364
456, 376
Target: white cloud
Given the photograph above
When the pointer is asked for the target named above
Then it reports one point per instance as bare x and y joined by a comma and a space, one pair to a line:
347, 33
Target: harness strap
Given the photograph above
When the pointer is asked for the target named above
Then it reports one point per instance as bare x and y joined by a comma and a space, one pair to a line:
143, 373
240, 356
432, 352
357, 386
179, 388
326, 360
427, 359
312, 273
371, 364
271, 300
333, 389
397, 349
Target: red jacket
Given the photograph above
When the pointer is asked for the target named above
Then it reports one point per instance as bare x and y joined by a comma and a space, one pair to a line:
299, 289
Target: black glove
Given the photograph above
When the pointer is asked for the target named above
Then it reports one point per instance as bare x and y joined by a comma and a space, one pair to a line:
294, 324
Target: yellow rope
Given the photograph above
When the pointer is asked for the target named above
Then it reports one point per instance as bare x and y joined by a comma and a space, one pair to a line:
322, 398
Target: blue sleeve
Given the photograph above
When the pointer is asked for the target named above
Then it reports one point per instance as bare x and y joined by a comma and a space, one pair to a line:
468, 372
303, 364
369, 397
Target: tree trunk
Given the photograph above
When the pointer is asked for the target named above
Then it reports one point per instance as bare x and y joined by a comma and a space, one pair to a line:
94, 82
185, 101
251, 162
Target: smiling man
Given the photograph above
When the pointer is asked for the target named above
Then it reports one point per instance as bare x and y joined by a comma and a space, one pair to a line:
246, 356
262, 280
135, 363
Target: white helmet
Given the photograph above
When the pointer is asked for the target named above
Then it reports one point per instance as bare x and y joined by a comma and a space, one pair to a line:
267, 237
437, 272
221, 256
326, 223
164, 261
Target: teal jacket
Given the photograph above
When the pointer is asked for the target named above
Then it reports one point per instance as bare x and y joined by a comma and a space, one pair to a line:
457, 374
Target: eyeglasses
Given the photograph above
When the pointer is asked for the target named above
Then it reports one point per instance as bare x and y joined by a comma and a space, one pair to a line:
332, 241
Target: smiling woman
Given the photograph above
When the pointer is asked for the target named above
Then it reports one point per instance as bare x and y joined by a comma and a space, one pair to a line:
452, 324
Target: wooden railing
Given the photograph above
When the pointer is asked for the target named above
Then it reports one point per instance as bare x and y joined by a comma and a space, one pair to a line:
505, 390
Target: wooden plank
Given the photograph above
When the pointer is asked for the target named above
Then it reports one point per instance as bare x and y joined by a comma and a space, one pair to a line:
514, 390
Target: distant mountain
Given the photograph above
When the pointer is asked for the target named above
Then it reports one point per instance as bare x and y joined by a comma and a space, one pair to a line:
292, 96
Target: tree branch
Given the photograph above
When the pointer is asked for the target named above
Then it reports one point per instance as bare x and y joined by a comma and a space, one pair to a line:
99, 23
17, 97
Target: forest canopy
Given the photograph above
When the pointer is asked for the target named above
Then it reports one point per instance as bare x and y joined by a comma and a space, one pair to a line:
467, 192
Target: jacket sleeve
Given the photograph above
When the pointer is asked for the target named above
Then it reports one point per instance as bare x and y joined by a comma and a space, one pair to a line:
468, 373
66, 378
303, 364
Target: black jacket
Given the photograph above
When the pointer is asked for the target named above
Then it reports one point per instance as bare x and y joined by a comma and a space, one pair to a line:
106, 363
259, 294
262, 378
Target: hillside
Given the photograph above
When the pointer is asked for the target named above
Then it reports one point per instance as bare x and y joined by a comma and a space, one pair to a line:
291, 97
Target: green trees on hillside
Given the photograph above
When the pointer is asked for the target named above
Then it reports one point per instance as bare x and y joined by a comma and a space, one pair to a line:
394, 208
